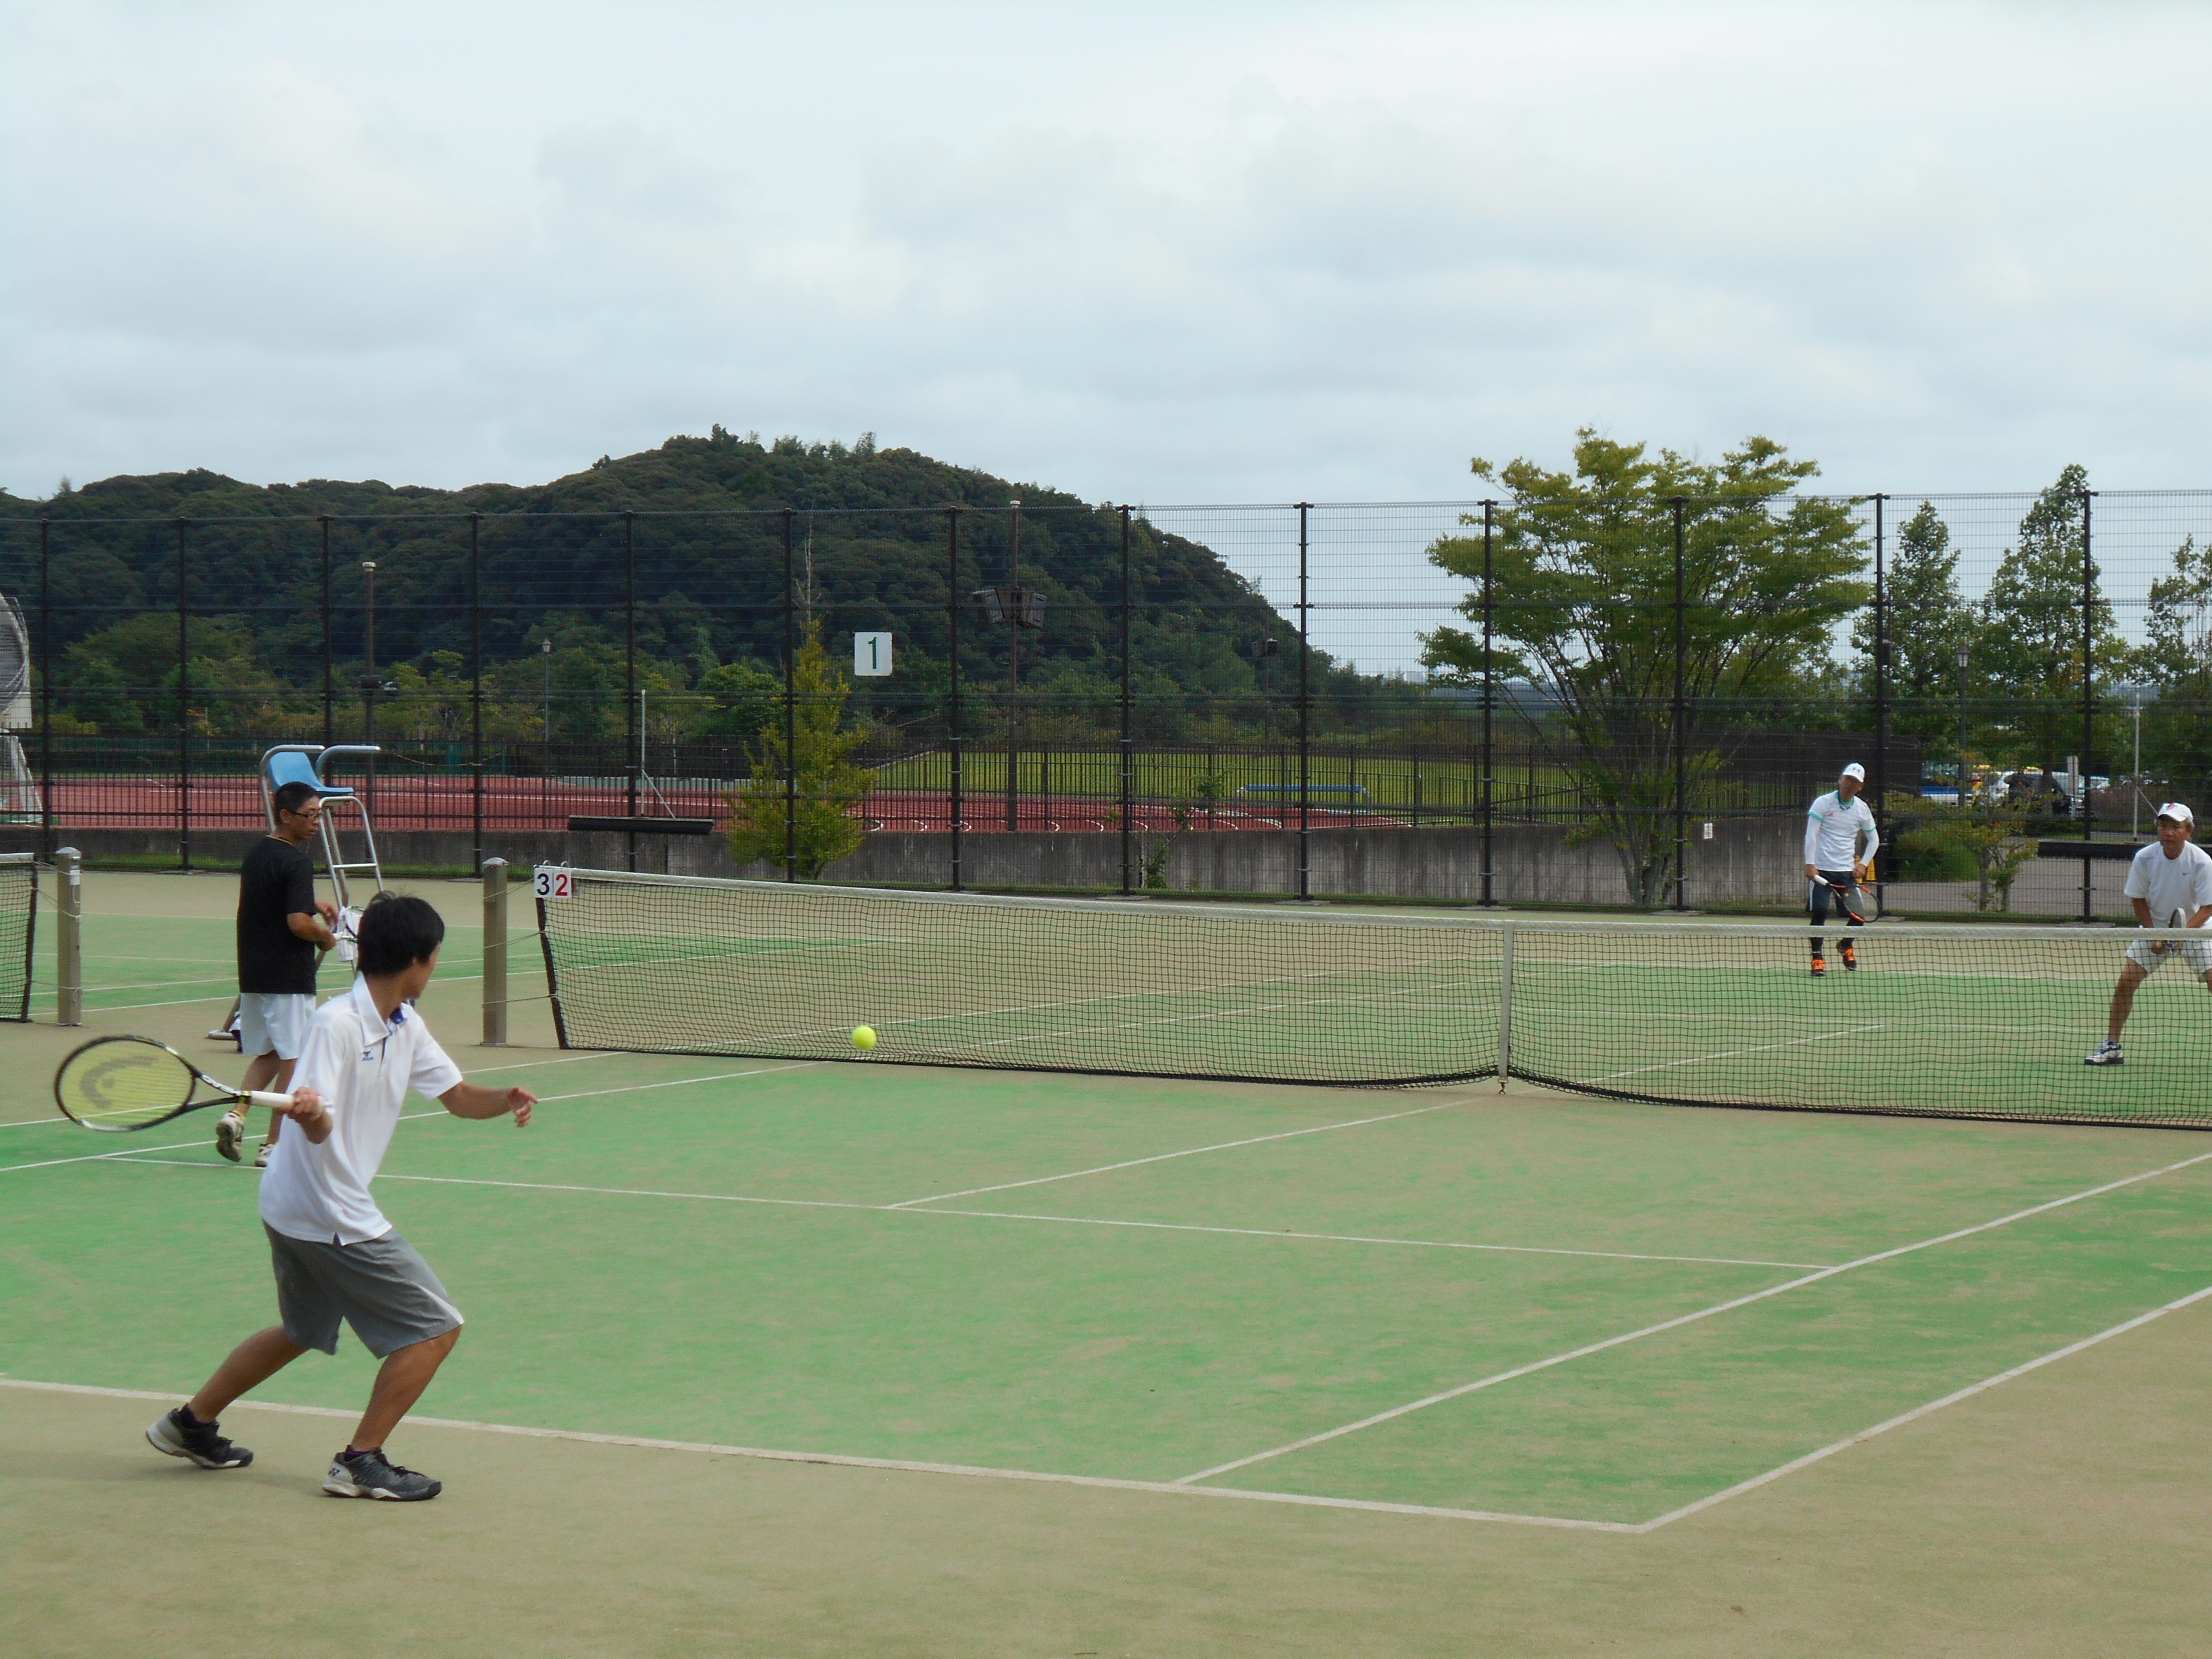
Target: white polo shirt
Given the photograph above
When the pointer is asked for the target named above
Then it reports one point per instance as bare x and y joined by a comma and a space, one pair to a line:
363, 1065
2182, 882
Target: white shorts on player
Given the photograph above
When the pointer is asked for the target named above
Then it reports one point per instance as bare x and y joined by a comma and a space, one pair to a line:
2198, 957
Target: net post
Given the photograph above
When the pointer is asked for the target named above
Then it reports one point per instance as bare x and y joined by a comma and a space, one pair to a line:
1504, 1006
494, 953
69, 937
1881, 677
790, 709
629, 676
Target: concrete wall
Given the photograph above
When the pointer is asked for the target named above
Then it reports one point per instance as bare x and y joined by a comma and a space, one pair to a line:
1749, 860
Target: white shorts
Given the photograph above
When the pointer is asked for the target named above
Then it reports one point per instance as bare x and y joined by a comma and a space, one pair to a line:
273, 1023
2200, 955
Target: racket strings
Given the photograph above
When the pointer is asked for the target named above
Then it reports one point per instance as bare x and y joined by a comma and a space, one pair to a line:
125, 1085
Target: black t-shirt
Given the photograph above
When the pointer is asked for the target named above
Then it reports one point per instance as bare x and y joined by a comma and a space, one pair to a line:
276, 881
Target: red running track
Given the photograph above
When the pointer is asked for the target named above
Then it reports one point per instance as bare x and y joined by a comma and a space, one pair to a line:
414, 802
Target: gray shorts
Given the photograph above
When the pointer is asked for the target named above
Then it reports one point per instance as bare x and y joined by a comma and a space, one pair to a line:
380, 1287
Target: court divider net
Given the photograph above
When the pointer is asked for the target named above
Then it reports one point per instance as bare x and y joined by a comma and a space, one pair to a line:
19, 912
1964, 1021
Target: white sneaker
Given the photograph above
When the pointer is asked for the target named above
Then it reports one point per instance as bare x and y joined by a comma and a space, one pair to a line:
2106, 1052
229, 1131
261, 1158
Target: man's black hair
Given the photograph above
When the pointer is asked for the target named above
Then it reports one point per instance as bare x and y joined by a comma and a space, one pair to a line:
291, 797
397, 931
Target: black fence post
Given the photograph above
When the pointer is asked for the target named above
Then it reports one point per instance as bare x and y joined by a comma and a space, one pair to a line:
790, 709
2088, 708
1128, 773
475, 698
183, 715
329, 716
1682, 781
1880, 677
1305, 717
952, 614
630, 678
1489, 702
46, 697
1013, 672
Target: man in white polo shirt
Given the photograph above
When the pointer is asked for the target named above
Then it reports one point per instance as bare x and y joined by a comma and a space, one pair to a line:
2170, 884
1835, 826
334, 1256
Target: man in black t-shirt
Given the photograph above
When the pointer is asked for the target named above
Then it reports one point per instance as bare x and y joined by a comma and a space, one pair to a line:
282, 930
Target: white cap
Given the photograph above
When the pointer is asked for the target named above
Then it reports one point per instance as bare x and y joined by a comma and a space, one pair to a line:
1855, 770
2178, 812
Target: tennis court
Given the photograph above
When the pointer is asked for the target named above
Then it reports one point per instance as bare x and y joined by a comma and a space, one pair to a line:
1155, 1364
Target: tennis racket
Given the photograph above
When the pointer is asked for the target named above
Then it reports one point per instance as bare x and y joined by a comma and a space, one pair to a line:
135, 1083
1859, 899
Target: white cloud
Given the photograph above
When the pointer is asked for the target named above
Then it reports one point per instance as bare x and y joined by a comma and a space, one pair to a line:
1204, 253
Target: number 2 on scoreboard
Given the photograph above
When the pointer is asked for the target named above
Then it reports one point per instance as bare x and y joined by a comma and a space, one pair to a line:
553, 881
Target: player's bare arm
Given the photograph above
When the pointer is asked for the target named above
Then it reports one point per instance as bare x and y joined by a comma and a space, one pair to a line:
474, 1100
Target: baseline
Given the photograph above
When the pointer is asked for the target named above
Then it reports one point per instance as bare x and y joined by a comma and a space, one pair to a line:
841, 1461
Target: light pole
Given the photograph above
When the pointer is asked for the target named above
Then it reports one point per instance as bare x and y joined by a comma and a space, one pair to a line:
1964, 654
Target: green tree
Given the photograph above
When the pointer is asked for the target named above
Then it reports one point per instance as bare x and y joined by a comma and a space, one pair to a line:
744, 695
2028, 648
1584, 581
830, 784
1928, 621
2175, 659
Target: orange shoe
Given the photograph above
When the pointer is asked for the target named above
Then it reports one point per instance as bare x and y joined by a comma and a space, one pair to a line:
1850, 957
1819, 968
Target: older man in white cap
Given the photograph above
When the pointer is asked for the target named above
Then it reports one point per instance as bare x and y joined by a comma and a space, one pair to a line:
1832, 858
2170, 884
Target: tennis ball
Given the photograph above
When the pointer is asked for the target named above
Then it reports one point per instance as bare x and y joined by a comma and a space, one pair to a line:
864, 1037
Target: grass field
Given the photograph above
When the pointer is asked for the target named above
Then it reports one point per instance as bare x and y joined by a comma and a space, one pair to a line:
1111, 1365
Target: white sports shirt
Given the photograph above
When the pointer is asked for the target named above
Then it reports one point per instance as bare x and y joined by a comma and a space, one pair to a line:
1832, 832
2182, 882
363, 1065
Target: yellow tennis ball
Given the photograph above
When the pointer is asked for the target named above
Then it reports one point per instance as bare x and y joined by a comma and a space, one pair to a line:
864, 1037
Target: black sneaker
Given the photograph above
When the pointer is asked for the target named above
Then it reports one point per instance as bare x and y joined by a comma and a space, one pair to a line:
180, 1436
366, 1475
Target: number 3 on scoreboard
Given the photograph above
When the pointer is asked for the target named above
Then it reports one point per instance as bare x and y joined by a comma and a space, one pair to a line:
553, 881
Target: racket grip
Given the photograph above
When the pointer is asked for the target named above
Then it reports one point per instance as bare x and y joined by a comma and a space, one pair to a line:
263, 1098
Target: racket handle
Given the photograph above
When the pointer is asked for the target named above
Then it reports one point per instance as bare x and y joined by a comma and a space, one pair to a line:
263, 1098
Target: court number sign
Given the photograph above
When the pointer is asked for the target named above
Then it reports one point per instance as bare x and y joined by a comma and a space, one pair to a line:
553, 881
871, 656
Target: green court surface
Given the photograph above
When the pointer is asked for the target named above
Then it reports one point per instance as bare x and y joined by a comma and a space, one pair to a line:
1563, 1346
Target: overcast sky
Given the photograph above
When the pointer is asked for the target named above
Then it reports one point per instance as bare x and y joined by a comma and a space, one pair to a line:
1177, 252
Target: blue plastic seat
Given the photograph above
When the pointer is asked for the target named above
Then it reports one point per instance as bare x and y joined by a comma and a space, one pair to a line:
292, 767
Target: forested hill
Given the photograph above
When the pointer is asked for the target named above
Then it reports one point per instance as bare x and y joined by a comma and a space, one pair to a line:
704, 557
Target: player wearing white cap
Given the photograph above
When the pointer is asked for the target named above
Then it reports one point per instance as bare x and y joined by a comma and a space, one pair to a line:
1832, 861
2170, 884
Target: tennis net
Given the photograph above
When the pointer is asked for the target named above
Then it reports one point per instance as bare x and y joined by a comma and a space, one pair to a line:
19, 910
1956, 1021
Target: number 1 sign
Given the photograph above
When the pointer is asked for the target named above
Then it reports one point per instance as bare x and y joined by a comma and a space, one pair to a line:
871, 656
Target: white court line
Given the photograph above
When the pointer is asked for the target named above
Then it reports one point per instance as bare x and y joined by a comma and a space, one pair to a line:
1358, 1238
1162, 1158
899, 1465
479, 1070
1918, 1412
1667, 1066
1002, 1215
142, 1153
1676, 1323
